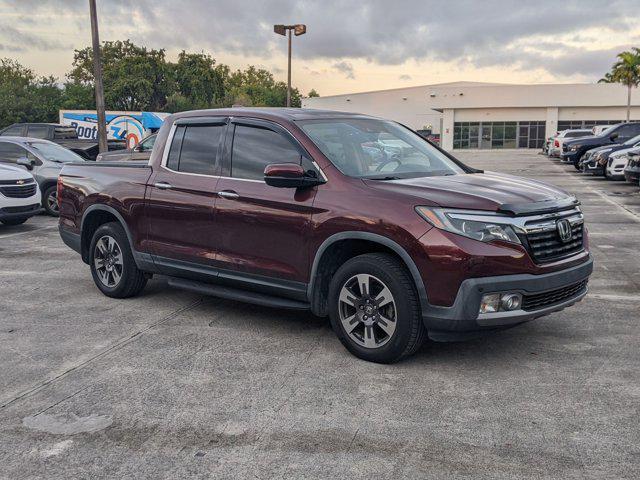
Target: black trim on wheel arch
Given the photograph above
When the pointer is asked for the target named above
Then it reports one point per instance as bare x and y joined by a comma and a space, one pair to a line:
385, 241
115, 213
70, 239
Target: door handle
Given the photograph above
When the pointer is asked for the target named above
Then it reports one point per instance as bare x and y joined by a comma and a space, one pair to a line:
163, 185
230, 194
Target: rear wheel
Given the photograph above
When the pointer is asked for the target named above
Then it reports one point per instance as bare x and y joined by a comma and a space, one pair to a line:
15, 221
374, 308
50, 200
112, 265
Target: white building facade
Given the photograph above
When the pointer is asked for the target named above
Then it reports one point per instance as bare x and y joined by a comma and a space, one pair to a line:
470, 115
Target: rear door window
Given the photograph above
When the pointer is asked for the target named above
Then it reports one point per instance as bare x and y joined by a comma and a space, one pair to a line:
256, 147
37, 131
194, 149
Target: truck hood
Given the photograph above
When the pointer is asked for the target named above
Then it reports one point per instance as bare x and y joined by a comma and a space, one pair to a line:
9, 172
481, 191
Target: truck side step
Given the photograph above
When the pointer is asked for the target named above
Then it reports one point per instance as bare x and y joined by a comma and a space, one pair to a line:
231, 293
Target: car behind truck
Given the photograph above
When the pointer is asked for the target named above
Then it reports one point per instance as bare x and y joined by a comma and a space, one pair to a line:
348, 216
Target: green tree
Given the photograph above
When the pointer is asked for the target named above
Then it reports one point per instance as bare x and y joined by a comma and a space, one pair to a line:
313, 93
26, 97
627, 72
257, 87
199, 80
135, 78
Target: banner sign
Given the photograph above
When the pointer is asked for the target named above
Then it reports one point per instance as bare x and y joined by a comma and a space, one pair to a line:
129, 126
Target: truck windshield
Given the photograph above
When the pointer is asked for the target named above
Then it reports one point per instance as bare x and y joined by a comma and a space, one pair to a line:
54, 153
377, 149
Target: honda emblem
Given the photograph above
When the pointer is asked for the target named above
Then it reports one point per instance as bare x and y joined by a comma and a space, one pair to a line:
564, 229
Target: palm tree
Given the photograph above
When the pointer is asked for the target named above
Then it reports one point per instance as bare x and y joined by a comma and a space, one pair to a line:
627, 72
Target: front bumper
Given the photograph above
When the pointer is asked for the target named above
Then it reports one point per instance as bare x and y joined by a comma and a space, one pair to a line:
632, 175
462, 320
569, 156
9, 213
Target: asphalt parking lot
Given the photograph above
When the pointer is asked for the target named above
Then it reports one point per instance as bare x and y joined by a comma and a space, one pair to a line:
175, 385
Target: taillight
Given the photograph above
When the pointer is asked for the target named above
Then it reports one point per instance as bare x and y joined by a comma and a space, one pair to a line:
556, 143
59, 190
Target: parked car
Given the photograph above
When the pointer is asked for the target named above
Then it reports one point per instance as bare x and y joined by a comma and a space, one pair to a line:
595, 160
285, 208
62, 135
19, 195
632, 170
555, 149
598, 129
573, 150
618, 162
142, 151
43, 159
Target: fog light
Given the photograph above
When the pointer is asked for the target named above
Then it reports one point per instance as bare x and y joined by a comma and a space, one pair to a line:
510, 301
490, 303
500, 302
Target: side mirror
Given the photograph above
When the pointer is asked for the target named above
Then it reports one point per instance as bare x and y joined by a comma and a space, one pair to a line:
288, 175
26, 162
613, 136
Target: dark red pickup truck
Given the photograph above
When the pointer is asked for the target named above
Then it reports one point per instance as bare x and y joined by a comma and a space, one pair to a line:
352, 217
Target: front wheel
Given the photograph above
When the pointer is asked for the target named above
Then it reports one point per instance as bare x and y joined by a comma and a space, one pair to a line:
50, 200
374, 308
113, 268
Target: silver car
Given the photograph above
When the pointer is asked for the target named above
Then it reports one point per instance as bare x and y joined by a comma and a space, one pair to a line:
44, 159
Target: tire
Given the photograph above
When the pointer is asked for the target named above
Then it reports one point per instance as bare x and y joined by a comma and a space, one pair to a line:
15, 221
50, 200
403, 332
112, 265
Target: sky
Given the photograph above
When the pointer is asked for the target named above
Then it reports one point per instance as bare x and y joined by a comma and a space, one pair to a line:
350, 46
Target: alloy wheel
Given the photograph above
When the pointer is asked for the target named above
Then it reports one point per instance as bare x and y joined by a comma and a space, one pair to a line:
52, 201
367, 311
107, 260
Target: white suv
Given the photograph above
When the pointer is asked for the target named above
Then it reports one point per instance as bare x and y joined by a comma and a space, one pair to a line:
617, 162
19, 195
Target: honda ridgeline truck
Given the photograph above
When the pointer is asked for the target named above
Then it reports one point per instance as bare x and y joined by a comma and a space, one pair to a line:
348, 216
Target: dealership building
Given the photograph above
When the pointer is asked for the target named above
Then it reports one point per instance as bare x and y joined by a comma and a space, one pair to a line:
471, 115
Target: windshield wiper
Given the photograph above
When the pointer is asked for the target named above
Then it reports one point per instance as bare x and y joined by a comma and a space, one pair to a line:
385, 178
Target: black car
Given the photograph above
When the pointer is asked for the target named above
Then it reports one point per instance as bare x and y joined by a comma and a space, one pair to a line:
573, 150
595, 160
64, 135
632, 172
142, 151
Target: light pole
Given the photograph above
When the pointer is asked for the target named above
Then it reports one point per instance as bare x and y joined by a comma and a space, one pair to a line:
97, 73
298, 29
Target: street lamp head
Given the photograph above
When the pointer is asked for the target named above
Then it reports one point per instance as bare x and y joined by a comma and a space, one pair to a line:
299, 29
280, 29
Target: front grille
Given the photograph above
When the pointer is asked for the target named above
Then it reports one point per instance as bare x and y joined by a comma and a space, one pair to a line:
28, 208
553, 297
546, 246
19, 191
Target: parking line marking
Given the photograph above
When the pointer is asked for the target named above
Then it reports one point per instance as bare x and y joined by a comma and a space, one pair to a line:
29, 231
613, 296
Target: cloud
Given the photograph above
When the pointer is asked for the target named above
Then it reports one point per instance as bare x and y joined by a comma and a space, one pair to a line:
20, 40
346, 68
544, 35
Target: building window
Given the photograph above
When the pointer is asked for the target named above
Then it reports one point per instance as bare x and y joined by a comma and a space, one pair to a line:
489, 135
578, 124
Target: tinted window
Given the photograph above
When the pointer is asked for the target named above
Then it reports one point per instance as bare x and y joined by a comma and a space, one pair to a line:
65, 132
37, 131
147, 143
630, 130
174, 151
194, 149
15, 131
10, 152
254, 148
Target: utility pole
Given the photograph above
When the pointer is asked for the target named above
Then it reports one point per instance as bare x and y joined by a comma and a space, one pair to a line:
97, 73
289, 74
298, 29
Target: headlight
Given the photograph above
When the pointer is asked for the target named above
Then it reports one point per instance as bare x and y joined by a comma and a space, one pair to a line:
574, 148
468, 224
